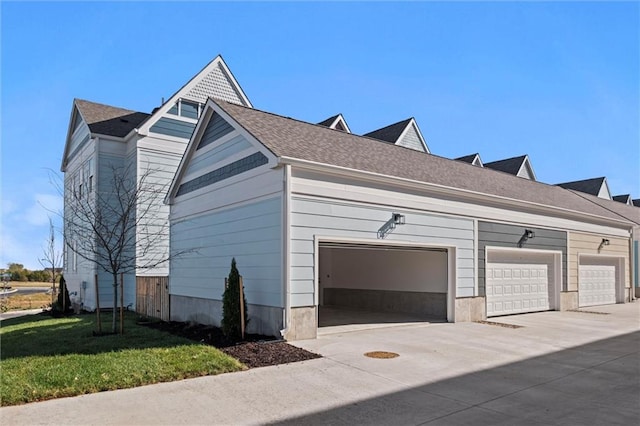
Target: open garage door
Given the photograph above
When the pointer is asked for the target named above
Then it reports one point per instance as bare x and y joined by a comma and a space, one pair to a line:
598, 279
520, 281
401, 284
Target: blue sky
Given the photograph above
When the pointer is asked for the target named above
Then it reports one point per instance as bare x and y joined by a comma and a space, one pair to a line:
557, 81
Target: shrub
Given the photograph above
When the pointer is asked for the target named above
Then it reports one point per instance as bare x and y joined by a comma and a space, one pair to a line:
231, 318
63, 304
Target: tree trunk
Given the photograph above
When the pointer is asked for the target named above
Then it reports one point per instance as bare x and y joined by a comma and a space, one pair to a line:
115, 303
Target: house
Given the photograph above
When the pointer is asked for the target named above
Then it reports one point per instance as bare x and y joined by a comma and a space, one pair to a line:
319, 218
595, 186
517, 166
103, 140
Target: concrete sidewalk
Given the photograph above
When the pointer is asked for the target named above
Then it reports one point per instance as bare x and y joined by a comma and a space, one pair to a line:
558, 368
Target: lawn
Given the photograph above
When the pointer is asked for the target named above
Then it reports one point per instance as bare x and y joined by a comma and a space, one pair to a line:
20, 302
43, 358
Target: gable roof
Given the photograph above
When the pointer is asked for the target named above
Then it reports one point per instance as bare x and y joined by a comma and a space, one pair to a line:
588, 186
101, 119
513, 166
626, 199
298, 142
215, 77
396, 133
336, 122
636, 202
472, 159
108, 120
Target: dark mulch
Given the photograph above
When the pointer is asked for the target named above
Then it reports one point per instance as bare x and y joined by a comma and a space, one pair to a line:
255, 351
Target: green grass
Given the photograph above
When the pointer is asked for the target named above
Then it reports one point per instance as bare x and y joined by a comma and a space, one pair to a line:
43, 358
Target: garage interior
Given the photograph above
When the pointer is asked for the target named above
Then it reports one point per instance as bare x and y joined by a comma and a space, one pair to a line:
370, 284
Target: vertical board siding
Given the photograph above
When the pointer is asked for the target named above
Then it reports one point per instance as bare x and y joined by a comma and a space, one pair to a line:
251, 233
152, 297
411, 140
503, 235
219, 153
172, 127
580, 243
327, 218
216, 129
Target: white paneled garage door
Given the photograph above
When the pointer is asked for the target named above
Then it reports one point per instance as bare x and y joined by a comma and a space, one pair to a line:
514, 288
597, 285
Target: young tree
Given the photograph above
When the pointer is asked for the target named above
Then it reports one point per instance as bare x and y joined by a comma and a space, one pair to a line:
52, 257
231, 306
120, 224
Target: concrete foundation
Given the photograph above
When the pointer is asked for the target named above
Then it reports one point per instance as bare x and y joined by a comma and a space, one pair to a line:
470, 309
265, 320
410, 302
303, 324
568, 300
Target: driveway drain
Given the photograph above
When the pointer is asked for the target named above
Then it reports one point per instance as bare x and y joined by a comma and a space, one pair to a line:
381, 354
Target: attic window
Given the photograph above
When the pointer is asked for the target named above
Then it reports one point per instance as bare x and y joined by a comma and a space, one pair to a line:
186, 109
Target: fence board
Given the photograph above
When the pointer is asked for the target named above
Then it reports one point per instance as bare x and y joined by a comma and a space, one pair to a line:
152, 297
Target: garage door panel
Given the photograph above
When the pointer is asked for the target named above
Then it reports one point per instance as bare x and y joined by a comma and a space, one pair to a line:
597, 285
516, 288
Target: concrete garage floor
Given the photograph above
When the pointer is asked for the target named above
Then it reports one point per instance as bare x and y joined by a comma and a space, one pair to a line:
559, 368
337, 319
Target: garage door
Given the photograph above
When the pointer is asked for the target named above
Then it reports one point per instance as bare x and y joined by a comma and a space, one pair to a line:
516, 288
597, 285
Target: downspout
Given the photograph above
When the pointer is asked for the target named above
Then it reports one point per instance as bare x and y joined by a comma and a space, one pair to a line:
286, 252
635, 231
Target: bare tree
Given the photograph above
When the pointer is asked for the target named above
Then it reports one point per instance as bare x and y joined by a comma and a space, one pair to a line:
52, 258
121, 225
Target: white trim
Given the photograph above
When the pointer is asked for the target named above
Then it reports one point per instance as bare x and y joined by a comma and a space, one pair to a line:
409, 183
527, 163
476, 243
620, 272
451, 263
286, 251
340, 119
418, 132
554, 301
217, 61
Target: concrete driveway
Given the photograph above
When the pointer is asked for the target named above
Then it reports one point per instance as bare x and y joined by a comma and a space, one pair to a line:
558, 368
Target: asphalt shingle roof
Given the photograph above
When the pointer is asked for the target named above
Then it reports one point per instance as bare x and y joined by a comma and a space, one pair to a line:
468, 158
508, 165
622, 198
286, 137
329, 121
588, 186
390, 133
108, 120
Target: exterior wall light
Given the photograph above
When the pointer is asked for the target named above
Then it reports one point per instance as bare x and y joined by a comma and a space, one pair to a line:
528, 234
604, 242
390, 225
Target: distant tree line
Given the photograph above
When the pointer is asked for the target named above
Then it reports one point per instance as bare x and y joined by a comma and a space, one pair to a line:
18, 272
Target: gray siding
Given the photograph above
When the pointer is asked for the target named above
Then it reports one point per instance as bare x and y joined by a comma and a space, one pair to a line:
216, 129
330, 218
251, 233
217, 154
411, 140
172, 127
502, 235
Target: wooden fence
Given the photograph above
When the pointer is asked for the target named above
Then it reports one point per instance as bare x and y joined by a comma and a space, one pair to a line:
152, 297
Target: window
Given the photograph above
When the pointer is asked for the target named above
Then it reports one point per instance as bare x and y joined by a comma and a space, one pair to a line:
186, 109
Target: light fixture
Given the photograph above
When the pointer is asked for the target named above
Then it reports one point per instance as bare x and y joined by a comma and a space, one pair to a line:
390, 225
604, 242
528, 234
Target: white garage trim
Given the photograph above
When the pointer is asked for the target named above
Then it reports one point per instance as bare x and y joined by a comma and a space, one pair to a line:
451, 263
547, 262
600, 263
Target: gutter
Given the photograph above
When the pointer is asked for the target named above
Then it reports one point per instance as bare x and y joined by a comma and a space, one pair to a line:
286, 250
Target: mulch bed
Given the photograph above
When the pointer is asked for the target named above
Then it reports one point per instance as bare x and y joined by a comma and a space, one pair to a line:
255, 351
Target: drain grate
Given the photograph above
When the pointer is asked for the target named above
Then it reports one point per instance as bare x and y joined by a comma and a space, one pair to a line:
381, 354
499, 324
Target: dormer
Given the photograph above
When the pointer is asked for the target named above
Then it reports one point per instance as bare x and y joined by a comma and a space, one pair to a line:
403, 133
473, 159
626, 199
337, 122
636, 202
595, 186
517, 166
